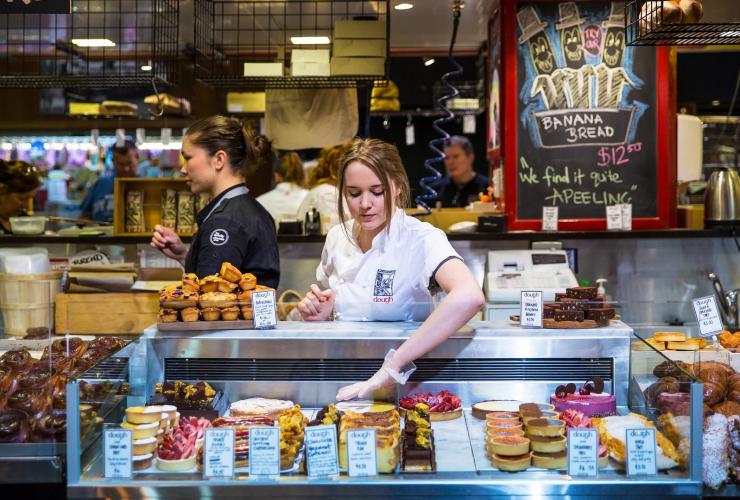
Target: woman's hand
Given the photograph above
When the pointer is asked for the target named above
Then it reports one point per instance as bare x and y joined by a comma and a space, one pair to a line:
317, 305
365, 390
169, 243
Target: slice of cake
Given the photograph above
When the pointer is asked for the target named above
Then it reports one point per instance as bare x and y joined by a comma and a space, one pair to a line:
590, 399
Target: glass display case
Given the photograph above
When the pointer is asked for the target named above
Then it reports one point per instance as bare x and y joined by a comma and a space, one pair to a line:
307, 363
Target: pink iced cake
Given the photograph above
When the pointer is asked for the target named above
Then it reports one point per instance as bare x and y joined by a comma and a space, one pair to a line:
592, 405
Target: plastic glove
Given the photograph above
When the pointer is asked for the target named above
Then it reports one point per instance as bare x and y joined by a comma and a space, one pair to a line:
365, 389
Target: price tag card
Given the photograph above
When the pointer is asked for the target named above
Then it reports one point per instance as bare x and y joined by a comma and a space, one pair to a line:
410, 135
165, 136
583, 452
614, 217
707, 316
117, 450
626, 209
218, 453
549, 218
264, 451
263, 309
530, 315
361, 453
468, 124
140, 136
321, 451
641, 452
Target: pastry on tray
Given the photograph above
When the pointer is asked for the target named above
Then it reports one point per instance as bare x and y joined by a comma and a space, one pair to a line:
613, 432
259, 407
247, 313
483, 408
230, 273
211, 313
590, 399
511, 463
190, 283
442, 406
418, 441
217, 299
190, 314
244, 298
387, 427
248, 281
209, 283
230, 313
177, 298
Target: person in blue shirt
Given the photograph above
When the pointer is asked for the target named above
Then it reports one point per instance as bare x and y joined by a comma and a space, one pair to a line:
98, 204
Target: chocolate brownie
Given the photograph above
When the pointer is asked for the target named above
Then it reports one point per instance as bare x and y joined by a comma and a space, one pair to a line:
581, 292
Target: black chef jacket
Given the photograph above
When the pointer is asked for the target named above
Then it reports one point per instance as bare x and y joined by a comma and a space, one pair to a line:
235, 228
452, 195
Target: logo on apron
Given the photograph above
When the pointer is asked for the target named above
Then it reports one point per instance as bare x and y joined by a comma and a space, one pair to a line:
384, 286
219, 237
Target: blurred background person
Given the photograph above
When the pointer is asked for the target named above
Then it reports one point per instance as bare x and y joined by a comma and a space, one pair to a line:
462, 183
19, 182
289, 192
98, 204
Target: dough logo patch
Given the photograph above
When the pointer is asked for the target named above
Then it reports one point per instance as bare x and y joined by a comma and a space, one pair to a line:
219, 237
384, 286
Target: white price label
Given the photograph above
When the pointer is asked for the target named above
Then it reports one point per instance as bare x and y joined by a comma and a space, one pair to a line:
165, 136
410, 135
530, 314
361, 453
120, 137
264, 451
263, 309
321, 451
626, 210
117, 449
614, 217
468, 124
549, 218
641, 452
583, 452
218, 453
707, 316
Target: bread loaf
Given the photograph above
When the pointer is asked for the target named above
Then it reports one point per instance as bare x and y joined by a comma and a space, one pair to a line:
692, 10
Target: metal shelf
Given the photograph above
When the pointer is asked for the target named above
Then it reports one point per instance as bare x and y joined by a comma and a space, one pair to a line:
293, 82
432, 113
645, 26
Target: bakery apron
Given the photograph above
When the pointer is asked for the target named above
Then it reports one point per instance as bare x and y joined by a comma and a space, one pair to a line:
192, 257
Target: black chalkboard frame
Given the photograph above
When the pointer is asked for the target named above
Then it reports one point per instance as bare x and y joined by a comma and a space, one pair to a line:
665, 105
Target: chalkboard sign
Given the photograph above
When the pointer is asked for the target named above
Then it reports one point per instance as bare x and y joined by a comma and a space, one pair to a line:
587, 117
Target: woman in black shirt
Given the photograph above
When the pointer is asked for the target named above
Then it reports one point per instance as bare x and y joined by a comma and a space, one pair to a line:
233, 227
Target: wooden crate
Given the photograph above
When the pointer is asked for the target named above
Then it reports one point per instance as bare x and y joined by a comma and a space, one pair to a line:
152, 189
105, 313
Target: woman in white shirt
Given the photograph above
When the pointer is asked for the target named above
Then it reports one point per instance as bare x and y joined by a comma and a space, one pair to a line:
381, 264
283, 201
322, 183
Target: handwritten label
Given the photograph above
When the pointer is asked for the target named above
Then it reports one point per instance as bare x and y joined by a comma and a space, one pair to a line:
614, 217
583, 452
626, 210
321, 451
264, 451
263, 308
361, 453
616, 156
531, 309
641, 452
117, 450
707, 316
218, 453
549, 218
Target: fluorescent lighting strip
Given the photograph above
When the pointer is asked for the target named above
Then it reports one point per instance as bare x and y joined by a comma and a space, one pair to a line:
93, 42
310, 40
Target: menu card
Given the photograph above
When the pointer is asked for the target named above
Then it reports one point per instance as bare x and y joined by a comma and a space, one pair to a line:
263, 308
361, 453
264, 451
321, 451
117, 450
218, 453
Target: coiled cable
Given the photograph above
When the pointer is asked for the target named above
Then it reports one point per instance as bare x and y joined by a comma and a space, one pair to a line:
437, 145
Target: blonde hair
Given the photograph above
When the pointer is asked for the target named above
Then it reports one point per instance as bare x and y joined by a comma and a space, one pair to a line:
290, 169
327, 166
385, 162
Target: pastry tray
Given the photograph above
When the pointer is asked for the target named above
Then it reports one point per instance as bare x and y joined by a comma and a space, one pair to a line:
551, 324
199, 326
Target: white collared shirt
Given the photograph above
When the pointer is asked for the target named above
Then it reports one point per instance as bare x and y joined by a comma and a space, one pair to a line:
283, 201
391, 281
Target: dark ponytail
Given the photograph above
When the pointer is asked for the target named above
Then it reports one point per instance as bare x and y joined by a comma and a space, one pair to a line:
247, 152
18, 177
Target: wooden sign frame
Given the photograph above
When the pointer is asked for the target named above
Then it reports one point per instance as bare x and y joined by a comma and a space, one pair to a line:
665, 114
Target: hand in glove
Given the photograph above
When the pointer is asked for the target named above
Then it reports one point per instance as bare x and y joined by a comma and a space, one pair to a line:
364, 390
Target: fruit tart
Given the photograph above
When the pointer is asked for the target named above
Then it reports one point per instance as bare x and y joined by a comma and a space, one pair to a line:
442, 406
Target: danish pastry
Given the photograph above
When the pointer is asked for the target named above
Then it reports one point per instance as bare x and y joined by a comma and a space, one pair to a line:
230, 273
190, 314
167, 315
225, 286
209, 283
217, 299
248, 281
211, 314
230, 313
244, 298
177, 298
190, 283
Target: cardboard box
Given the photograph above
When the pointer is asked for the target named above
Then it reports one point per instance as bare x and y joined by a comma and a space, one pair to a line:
369, 47
360, 29
358, 66
124, 313
253, 69
245, 102
310, 69
310, 55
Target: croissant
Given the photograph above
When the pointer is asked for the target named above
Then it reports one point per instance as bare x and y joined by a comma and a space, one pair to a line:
663, 385
669, 369
727, 369
714, 393
728, 408
733, 388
